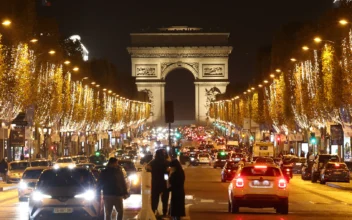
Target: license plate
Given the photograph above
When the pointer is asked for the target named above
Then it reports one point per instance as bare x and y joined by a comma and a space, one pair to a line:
299, 164
63, 210
337, 172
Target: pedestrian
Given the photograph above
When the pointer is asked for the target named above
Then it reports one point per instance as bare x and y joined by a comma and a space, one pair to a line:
37, 156
22, 157
113, 184
176, 186
3, 169
159, 168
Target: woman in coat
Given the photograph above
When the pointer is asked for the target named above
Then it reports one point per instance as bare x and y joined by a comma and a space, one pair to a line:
176, 186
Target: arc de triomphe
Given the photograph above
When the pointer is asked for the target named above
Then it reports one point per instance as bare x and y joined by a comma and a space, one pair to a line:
157, 53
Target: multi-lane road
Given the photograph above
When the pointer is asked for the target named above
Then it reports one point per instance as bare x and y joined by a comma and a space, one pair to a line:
207, 199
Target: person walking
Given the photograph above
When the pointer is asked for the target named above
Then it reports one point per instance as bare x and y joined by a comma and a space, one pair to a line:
176, 186
159, 168
113, 184
3, 169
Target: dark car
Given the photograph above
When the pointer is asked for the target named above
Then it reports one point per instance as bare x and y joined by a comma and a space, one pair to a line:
221, 159
320, 162
236, 157
147, 158
80, 159
228, 171
133, 176
306, 173
334, 172
97, 159
66, 193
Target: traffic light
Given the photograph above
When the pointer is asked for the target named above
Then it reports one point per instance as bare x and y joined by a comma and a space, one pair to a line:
222, 153
313, 140
97, 153
251, 138
52, 147
178, 135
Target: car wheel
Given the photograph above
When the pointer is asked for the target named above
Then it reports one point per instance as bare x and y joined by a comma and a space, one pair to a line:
234, 207
284, 207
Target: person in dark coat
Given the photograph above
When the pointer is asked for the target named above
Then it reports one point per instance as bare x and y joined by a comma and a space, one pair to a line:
3, 169
176, 186
159, 167
113, 184
22, 157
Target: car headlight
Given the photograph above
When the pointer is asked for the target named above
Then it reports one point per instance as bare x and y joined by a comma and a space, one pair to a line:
23, 185
56, 166
141, 154
133, 178
71, 166
192, 159
38, 196
106, 163
89, 195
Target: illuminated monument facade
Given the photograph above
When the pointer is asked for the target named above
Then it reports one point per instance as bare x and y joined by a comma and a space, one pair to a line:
156, 53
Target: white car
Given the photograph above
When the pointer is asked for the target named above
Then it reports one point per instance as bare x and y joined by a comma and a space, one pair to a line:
258, 186
64, 162
204, 158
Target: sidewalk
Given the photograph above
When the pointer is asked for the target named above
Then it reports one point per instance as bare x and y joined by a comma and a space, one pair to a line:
5, 186
343, 186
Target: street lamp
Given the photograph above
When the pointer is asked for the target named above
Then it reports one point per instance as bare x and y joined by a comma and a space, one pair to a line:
6, 23
265, 81
343, 22
260, 85
97, 86
272, 75
52, 52
75, 69
319, 40
34, 40
305, 48
93, 83
293, 59
67, 62
85, 78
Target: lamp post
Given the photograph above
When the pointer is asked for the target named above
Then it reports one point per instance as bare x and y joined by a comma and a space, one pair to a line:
47, 131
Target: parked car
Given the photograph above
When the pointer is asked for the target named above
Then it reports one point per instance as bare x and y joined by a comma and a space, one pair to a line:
334, 172
306, 173
320, 162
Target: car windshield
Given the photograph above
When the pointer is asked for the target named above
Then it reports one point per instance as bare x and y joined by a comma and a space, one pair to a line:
232, 166
32, 174
223, 156
260, 171
40, 163
19, 166
66, 178
97, 159
64, 160
326, 158
128, 166
203, 155
336, 166
120, 152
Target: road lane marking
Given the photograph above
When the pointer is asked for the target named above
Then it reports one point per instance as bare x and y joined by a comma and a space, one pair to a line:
207, 200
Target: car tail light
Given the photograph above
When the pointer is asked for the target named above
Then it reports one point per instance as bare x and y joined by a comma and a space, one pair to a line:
282, 183
228, 170
337, 165
239, 183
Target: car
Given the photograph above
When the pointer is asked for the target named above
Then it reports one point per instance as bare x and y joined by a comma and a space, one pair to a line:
306, 173
28, 181
97, 159
258, 186
319, 164
193, 158
80, 159
228, 171
265, 160
41, 163
86, 165
146, 159
221, 159
204, 158
15, 170
236, 157
134, 179
297, 164
334, 172
66, 193
65, 162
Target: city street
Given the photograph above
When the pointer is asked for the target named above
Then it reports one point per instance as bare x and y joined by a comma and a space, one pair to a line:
207, 199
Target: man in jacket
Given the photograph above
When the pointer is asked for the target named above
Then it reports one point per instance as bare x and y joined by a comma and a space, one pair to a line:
113, 184
3, 169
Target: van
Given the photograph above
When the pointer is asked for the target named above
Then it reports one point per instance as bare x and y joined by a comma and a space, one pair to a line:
263, 149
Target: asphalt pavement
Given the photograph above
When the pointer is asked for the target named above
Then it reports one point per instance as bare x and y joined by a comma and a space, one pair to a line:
206, 197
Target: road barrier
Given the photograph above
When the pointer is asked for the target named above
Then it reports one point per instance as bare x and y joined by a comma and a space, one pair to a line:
146, 212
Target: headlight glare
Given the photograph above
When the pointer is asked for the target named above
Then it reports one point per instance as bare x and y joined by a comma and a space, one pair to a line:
89, 195
38, 196
23, 185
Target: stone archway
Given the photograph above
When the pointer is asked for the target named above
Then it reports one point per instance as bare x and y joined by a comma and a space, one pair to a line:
151, 63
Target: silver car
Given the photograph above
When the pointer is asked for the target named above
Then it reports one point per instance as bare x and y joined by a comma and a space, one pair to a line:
66, 193
28, 181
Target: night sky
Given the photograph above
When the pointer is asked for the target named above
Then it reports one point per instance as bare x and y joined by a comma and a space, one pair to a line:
104, 26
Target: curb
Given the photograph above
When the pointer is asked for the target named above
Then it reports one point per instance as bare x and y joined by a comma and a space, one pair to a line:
6, 188
333, 185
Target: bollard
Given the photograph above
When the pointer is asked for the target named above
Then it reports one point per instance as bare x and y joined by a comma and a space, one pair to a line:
146, 212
